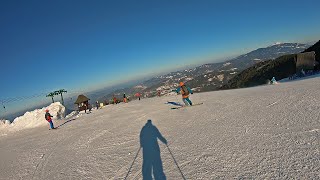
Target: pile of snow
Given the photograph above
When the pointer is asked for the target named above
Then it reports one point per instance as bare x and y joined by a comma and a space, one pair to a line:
35, 118
73, 114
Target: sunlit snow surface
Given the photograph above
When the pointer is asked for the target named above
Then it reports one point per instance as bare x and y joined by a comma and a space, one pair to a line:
266, 132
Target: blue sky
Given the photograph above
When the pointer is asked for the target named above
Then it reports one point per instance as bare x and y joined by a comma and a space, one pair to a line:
83, 45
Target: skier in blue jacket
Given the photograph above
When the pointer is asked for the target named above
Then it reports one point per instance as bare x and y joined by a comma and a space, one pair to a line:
185, 92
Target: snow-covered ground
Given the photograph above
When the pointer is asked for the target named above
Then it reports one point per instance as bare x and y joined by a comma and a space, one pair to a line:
266, 132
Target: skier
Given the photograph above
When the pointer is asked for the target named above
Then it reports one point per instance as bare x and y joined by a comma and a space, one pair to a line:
48, 117
114, 100
124, 98
138, 95
185, 92
273, 80
85, 107
97, 105
90, 107
303, 73
152, 163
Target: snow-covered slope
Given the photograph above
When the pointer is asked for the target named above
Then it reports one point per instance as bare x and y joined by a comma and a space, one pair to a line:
266, 132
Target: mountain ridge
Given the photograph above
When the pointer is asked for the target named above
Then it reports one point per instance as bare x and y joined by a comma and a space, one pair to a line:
281, 67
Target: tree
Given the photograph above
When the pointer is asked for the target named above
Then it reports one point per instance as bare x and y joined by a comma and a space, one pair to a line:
60, 92
52, 94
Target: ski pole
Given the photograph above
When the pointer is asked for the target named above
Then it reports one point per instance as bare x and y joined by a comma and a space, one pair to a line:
133, 162
175, 162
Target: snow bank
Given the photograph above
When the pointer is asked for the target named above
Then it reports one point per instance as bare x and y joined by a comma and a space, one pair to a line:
34, 118
73, 114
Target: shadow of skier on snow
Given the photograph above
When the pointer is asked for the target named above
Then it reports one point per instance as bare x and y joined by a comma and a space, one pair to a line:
66, 122
174, 103
149, 136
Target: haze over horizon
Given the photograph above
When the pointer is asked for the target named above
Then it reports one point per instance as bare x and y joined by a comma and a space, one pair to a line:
83, 46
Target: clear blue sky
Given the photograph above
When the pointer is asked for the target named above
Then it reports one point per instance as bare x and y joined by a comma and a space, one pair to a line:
81, 45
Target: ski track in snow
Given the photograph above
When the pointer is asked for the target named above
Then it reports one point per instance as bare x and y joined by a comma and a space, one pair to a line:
266, 132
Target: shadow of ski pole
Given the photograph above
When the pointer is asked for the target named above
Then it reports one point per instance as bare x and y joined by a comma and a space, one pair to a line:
133, 163
176, 162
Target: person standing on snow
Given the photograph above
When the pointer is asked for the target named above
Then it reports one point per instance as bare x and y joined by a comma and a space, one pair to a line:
273, 80
185, 92
97, 104
124, 98
138, 95
114, 100
48, 117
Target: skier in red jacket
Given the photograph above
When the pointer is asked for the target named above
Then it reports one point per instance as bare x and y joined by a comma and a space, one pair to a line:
48, 117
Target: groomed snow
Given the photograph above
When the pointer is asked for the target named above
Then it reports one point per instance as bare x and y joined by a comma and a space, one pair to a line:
266, 132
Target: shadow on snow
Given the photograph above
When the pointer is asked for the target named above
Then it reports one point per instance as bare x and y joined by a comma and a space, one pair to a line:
152, 162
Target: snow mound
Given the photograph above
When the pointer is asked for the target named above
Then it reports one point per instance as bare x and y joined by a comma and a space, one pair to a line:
35, 118
73, 114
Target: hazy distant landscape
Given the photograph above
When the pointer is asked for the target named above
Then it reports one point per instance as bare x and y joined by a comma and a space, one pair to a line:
207, 77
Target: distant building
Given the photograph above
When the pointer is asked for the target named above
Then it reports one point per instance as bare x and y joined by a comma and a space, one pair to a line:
305, 61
